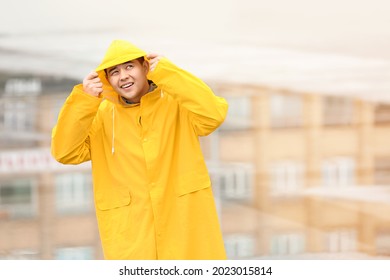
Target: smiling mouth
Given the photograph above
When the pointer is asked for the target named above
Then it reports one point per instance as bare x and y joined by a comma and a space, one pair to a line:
127, 85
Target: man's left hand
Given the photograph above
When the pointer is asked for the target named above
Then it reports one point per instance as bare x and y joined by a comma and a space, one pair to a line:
153, 58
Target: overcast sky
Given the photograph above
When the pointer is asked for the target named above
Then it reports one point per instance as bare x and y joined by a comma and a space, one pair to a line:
356, 27
327, 46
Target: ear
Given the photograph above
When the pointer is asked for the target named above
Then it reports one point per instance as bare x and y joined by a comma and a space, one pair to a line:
145, 66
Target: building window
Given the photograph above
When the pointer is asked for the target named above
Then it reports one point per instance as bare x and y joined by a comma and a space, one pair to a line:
20, 255
57, 105
338, 172
18, 114
286, 177
382, 171
74, 253
382, 114
73, 193
239, 246
233, 182
23, 86
287, 244
340, 241
18, 198
383, 243
239, 116
286, 110
337, 110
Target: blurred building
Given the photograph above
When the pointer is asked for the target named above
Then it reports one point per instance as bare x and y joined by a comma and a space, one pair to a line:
46, 209
302, 175
295, 175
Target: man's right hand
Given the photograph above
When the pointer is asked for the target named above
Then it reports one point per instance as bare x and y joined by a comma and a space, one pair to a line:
92, 84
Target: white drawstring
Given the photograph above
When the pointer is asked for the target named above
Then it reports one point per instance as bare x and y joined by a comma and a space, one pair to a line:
113, 130
113, 125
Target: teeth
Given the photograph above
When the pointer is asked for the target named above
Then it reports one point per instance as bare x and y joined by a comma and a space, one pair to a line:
127, 85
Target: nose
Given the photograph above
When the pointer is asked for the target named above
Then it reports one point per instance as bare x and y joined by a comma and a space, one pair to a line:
123, 75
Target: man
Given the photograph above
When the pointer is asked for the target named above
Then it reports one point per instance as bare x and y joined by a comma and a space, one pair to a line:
138, 119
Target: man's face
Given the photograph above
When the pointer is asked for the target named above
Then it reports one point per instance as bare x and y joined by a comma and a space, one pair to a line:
129, 79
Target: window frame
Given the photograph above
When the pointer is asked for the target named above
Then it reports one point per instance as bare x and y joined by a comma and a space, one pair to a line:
20, 210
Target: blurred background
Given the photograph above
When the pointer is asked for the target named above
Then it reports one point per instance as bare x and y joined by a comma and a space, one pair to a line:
301, 166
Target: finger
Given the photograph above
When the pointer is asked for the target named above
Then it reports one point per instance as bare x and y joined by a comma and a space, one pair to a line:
151, 55
92, 76
95, 80
152, 66
98, 90
93, 89
92, 86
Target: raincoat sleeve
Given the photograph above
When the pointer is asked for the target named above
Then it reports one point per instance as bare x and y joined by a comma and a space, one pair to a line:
71, 136
206, 110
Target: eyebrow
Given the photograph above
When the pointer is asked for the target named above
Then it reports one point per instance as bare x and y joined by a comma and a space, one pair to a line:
116, 66
111, 69
127, 62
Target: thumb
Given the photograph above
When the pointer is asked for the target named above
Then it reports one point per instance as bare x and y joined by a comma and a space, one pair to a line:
151, 55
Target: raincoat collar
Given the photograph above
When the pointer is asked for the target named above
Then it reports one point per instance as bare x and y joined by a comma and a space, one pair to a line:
125, 103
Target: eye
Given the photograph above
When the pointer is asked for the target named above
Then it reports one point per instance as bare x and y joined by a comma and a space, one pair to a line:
129, 66
114, 72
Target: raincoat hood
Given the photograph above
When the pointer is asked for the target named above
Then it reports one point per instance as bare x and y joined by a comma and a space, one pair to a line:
118, 52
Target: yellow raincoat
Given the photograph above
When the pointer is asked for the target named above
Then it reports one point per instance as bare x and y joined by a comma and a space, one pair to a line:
152, 191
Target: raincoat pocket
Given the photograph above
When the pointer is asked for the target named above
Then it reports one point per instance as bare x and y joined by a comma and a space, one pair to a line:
191, 182
112, 197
